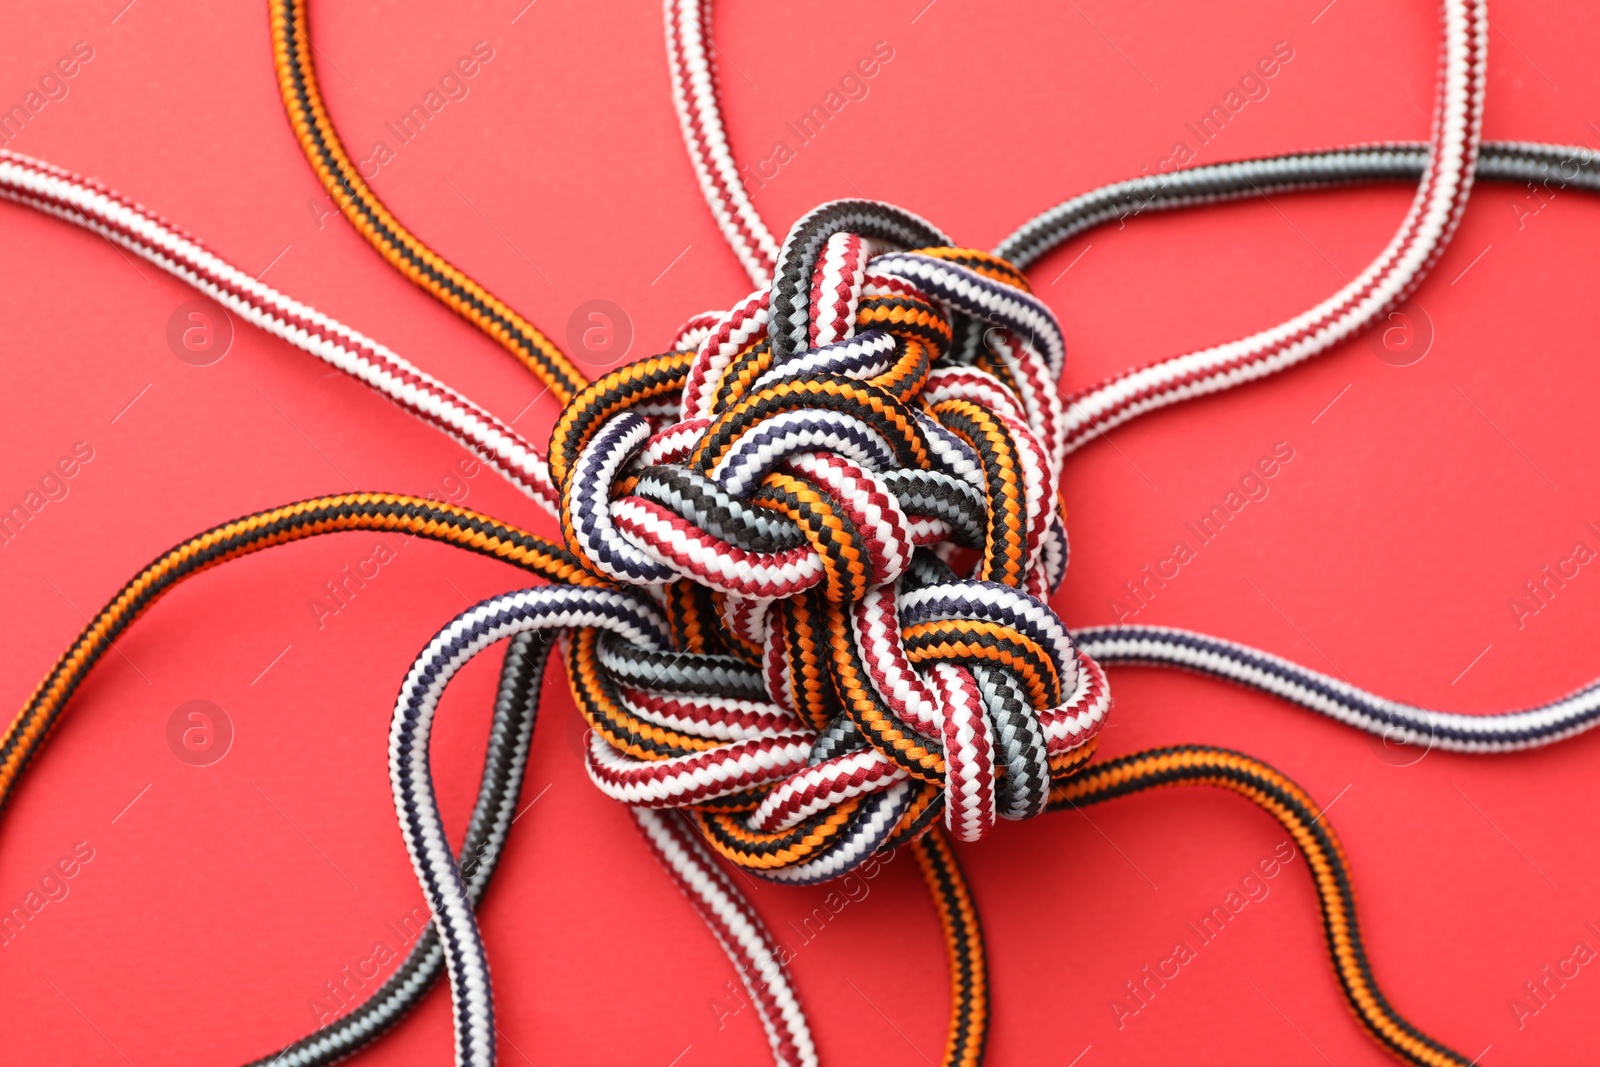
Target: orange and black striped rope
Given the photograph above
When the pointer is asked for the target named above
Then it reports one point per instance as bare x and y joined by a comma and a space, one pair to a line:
1302, 818
963, 941
385, 512
308, 117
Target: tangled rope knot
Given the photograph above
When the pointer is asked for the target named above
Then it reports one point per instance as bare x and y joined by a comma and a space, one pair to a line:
841, 497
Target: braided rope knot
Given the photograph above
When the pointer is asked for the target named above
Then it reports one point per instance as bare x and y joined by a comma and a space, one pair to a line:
841, 499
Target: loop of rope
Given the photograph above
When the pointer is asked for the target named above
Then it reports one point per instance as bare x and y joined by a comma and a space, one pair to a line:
516, 707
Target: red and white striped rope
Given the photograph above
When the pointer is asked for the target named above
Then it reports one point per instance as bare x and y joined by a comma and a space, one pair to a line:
89, 204
694, 94
738, 929
1388, 280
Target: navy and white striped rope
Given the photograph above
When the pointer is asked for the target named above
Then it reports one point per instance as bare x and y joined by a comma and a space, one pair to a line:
505, 758
996, 305
1391, 720
550, 607
635, 637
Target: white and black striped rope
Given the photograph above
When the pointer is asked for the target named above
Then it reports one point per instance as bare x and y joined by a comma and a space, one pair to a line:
635, 623
505, 758
1400, 723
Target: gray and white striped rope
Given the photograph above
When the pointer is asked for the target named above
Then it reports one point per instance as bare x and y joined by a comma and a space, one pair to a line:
1500, 161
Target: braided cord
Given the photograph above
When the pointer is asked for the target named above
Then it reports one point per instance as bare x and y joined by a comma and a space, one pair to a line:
1215, 183
505, 757
635, 621
1416, 246
308, 117
1446, 170
904, 809
738, 929
694, 96
558, 607
963, 939
444, 523
324, 150
1294, 809
83, 202
1402, 724
507, 750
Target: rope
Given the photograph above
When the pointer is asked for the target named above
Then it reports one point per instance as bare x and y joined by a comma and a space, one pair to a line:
308, 118
515, 706
89, 204
963, 938
1500, 161
506, 755
1508, 161
632, 618
694, 95
1446, 171
811, 684
444, 523
1297, 813
323, 149
1392, 720
737, 928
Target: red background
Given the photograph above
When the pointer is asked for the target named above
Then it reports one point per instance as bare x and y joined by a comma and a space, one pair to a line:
1387, 550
